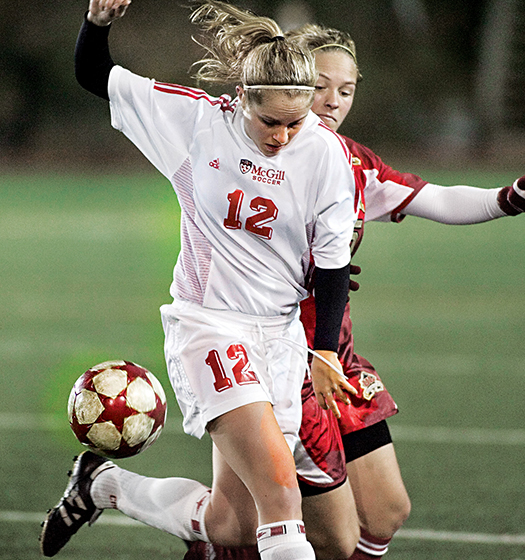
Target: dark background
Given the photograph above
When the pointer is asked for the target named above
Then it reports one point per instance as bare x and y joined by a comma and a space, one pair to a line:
444, 82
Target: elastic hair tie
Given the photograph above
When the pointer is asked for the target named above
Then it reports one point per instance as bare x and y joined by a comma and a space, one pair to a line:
277, 38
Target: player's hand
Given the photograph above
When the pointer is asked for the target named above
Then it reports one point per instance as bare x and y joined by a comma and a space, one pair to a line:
512, 199
103, 12
519, 188
354, 271
329, 384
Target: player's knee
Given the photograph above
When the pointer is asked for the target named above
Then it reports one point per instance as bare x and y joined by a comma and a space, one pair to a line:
399, 514
232, 531
278, 502
230, 527
340, 549
328, 546
392, 519
403, 512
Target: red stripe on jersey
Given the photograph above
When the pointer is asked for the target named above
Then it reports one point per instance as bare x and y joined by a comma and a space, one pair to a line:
224, 101
177, 87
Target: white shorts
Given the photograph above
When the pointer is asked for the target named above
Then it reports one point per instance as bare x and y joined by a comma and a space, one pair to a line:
220, 360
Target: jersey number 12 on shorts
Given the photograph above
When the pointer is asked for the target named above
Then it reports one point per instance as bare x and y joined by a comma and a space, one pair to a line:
241, 369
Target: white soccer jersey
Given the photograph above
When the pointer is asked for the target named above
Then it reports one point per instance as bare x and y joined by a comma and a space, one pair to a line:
248, 221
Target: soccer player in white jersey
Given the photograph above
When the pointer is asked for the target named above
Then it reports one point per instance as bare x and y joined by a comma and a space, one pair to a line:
263, 184
365, 503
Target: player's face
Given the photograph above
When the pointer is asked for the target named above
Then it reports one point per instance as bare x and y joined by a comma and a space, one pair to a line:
273, 123
335, 88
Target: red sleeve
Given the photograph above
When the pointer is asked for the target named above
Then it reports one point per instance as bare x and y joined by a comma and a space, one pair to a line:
386, 191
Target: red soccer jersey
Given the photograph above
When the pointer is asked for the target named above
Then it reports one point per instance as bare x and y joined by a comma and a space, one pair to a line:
384, 191
381, 194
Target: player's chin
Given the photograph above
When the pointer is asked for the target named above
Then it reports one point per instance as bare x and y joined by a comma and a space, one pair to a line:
330, 122
271, 150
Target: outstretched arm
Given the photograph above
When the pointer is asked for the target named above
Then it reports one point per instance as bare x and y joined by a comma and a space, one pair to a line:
93, 62
467, 205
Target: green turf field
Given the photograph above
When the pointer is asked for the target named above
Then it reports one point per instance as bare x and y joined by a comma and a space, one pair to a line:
86, 261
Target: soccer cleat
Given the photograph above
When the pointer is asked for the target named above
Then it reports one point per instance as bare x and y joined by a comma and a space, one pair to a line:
76, 506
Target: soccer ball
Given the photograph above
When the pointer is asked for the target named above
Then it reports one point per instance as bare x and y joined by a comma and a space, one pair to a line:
117, 409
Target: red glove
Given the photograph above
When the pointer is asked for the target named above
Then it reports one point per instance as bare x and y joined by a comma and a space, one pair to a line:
510, 201
355, 270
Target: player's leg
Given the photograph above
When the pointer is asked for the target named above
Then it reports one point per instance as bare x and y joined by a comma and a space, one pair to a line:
328, 504
187, 508
381, 498
251, 442
174, 505
231, 513
331, 523
380, 495
244, 457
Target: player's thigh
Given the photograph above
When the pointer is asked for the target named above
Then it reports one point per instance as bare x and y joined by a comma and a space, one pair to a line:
381, 498
252, 444
331, 523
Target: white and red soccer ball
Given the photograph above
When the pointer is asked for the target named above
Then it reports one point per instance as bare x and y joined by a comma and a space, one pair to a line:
117, 409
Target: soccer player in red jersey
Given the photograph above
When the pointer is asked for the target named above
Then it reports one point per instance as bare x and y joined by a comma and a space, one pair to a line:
366, 503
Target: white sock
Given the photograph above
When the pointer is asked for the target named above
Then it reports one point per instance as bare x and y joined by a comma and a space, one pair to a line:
175, 505
284, 540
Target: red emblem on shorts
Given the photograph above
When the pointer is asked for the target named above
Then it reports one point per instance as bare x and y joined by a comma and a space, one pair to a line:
245, 165
370, 385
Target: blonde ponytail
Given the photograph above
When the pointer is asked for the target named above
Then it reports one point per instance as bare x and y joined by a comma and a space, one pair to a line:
246, 49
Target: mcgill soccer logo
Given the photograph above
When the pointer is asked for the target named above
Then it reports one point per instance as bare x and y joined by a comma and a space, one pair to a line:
260, 174
245, 165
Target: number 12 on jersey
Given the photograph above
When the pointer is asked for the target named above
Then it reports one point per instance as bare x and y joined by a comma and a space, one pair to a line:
266, 212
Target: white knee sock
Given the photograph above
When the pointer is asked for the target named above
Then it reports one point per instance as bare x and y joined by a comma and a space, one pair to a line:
175, 505
284, 540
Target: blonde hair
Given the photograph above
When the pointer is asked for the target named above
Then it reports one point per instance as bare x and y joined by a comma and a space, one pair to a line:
247, 49
316, 37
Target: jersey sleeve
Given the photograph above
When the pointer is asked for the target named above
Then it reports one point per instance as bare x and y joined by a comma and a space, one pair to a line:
387, 191
336, 208
160, 125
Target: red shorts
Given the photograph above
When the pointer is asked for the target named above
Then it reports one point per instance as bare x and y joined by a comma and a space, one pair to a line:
320, 430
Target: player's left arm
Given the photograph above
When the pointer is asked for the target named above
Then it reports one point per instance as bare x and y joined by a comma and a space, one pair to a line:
467, 205
331, 293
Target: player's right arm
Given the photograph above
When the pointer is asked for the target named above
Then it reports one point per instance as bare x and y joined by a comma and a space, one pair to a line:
93, 62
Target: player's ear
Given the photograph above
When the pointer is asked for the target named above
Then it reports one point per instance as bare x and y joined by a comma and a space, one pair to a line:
240, 93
